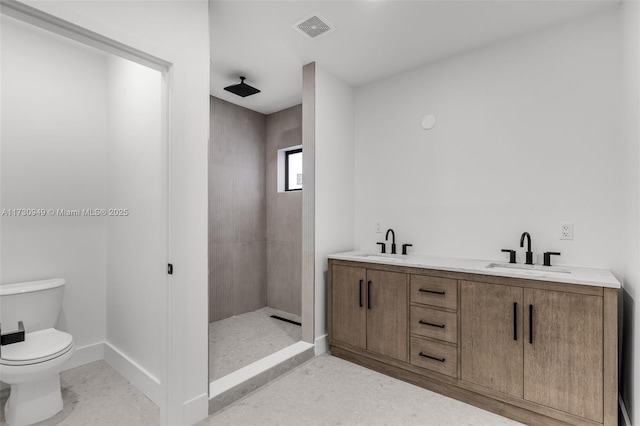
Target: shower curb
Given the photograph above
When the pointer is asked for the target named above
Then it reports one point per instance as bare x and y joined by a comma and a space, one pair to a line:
257, 376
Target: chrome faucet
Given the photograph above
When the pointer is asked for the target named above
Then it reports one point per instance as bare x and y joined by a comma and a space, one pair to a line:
529, 260
393, 240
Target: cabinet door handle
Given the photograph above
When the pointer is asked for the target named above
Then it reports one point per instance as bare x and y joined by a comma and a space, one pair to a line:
431, 357
515, 321
424, 290
360, 294
431, 324
531, 324
368, 294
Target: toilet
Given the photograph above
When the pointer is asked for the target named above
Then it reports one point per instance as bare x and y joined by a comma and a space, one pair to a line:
32, 367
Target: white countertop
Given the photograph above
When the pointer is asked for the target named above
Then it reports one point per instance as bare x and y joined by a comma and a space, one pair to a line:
564, 274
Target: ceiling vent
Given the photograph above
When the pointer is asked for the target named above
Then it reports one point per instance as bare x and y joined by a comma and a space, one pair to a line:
313, 26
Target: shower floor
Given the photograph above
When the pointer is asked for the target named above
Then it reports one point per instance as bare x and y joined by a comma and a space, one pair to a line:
243, 339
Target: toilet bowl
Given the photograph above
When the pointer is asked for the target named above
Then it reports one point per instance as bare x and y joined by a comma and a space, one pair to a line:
32, 367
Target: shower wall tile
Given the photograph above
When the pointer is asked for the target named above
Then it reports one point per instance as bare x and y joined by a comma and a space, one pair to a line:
222, 217
249, 277
284, 217
280, 122
223, 147
237, 210
290, 137
249, 205
250, 142
221, 258
279, 276
255, 232
237, 135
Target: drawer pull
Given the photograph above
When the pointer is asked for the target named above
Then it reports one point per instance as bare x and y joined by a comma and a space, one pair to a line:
431, 357
431, 324
424, 290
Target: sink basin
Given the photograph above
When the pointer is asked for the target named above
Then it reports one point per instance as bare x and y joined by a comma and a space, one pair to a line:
527, 269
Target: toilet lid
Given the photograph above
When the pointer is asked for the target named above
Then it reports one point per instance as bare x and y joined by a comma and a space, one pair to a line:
38, 346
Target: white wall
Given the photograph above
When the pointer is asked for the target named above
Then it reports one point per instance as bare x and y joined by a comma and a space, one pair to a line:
176, 31
528, 135
82, 130
630, 326
136, 242
334, 177
53, 156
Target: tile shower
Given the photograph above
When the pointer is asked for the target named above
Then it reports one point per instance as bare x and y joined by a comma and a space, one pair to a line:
255, 236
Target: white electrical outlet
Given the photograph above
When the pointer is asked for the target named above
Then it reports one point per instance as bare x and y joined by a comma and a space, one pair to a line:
566, 231
378, 227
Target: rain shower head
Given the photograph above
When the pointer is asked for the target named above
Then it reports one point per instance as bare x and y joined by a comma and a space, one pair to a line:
242, 89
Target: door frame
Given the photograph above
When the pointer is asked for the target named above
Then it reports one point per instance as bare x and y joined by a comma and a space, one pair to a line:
171, 407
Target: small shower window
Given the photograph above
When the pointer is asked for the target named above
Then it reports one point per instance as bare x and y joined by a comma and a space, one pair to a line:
293, 170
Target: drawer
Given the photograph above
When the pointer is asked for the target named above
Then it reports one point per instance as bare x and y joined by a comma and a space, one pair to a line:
442, 292
434, 356
433, 323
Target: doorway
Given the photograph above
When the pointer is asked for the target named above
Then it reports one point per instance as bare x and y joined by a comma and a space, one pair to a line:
255, 246
84, 142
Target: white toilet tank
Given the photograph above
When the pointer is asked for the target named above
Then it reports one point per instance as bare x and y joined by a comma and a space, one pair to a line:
36, 303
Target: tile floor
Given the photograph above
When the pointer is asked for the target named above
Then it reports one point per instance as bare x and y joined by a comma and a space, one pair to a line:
95, 394
243, 339
330, 391
323, 391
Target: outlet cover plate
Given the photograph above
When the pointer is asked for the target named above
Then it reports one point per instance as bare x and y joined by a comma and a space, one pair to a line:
566, 231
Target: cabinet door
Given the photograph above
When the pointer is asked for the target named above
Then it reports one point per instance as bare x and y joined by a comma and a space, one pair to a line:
387, 314
348, 305
563, 360
491, 336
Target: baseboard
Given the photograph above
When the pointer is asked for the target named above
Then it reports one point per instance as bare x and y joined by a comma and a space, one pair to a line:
196, 409
85, 355
144, 381
624, 411
135, 374
321, 345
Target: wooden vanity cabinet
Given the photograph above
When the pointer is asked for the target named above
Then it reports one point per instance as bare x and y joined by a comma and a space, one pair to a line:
563, 352
541, 345
539, 352
433, 323
491, 337
369, 310
387, 313
347, 302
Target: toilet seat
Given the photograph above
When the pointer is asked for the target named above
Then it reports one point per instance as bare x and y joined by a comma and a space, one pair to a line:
38, 346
